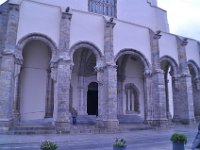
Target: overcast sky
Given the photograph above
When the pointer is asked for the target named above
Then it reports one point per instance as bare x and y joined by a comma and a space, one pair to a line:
183, 16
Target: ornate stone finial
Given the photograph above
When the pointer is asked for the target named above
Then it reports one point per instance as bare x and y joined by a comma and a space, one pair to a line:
157, 35
67, 14
111, 19
110, 22
184, 42
67, 9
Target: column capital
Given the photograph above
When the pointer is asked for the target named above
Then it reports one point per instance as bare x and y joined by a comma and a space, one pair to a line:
157, 35
110, 65
66, 15
13, 7
147, 73
99, 69
181, 42
109, 23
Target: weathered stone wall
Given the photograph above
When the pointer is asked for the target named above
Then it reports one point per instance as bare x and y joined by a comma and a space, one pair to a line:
3, 26
8, 69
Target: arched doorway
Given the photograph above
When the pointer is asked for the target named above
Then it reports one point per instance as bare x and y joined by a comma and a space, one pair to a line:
195, 78
169, 66
83, 74
92, 99
35, 82
131, 86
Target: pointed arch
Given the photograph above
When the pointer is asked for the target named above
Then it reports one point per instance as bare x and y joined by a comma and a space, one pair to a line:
35, 75
36, 37
193, 65
134, 53
170, 68
166, 61
87, 45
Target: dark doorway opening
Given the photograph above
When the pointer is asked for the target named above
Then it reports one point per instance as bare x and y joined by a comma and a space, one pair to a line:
92, 99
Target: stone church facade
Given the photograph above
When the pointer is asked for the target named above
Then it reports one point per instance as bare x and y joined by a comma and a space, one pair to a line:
113, 61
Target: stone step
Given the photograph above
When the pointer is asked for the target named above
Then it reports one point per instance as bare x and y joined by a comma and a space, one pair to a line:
86, 119
132, 118
82, 128
28, 132
132, 127
21, 131
34, 128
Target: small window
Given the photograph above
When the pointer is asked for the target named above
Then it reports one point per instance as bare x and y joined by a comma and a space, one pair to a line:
104, 7
132, 99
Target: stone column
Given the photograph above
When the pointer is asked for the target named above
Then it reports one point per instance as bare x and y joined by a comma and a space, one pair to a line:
49, 97
7, 69
185, 100
148, 95
62, 121
159, 115
196, 96
99, 121
82, 98
64, 67
16, 102
110, 79
175, 89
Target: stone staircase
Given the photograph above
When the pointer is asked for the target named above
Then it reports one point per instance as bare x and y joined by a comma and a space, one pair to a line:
85, 124
86, 119
132, 122
34, 127
133, 118
124, 127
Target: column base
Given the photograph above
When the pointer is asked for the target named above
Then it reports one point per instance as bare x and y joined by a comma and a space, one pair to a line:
111, 125
99, 123
161, 123
16, 118
184, 121
62, 127
5, 125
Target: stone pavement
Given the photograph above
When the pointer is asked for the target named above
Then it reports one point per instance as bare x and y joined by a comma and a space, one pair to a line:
136, 140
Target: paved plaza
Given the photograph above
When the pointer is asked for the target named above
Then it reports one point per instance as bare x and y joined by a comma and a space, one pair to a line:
153, 139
